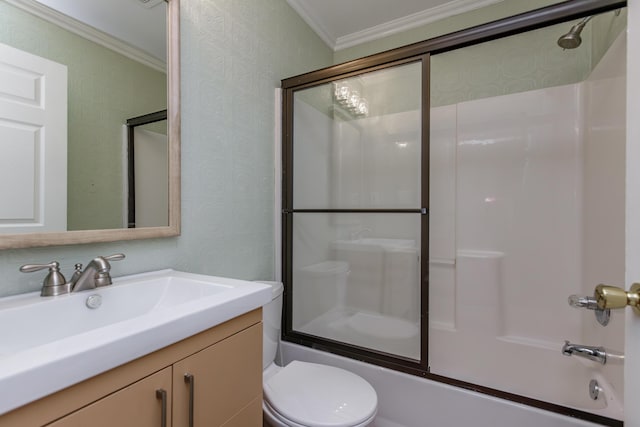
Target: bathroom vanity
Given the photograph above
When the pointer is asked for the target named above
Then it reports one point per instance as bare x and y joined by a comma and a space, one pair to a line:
225, 365
161, 349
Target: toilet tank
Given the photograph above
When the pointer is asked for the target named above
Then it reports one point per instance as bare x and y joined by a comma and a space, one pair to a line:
272, 324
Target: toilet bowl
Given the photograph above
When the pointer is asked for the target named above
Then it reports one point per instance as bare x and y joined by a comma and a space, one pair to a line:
303, 394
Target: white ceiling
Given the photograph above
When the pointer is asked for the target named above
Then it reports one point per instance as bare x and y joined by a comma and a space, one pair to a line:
346, 23
128, 20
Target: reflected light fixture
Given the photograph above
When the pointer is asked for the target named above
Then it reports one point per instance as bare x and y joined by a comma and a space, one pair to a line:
350, 99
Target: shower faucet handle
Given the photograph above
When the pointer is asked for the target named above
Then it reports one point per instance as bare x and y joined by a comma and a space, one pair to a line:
591, 303
583, 302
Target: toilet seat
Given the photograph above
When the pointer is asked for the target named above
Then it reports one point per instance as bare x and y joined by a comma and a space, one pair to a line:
313, 395
275, 419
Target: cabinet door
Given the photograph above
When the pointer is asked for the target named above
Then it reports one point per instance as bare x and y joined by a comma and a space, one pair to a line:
138, 405
221, 380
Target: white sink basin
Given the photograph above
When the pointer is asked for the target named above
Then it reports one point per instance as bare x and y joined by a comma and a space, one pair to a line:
47, 344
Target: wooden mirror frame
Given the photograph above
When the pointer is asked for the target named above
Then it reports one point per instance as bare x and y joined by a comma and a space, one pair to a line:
27, 240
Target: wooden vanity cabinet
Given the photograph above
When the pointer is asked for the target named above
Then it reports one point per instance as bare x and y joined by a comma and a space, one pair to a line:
220, 386
217, 372
135, 405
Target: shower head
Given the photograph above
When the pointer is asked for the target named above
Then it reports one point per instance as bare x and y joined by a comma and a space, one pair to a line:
572, 39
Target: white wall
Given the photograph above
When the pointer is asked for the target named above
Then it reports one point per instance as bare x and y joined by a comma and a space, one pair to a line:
538, 216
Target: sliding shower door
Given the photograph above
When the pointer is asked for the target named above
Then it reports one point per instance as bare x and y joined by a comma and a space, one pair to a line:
354, 214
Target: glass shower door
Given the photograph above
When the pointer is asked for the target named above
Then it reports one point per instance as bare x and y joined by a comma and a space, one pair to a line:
354, 215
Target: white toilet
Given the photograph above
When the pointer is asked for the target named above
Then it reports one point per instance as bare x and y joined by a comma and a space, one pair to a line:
309, 394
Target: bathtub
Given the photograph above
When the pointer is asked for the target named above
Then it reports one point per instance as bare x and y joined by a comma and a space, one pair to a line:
409, 401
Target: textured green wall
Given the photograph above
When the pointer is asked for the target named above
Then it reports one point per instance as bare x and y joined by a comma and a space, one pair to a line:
104, 90
234, 53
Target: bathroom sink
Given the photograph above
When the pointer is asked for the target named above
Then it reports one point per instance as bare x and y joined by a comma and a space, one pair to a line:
47, 344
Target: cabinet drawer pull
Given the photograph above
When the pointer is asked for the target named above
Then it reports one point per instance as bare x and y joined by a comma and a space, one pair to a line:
189, 379
162, 395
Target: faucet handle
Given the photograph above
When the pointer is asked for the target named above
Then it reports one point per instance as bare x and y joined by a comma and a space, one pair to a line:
54, 283
114, 257
591, 303
102, 277
580, 301
54, 278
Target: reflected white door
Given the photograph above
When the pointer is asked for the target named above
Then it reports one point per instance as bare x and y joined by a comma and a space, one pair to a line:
151, 178
33, 142
632, 331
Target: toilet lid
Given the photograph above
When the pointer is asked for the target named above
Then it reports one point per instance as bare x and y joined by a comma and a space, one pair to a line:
320, 396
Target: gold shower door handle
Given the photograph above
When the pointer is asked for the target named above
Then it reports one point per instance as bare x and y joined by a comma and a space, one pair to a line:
613, 297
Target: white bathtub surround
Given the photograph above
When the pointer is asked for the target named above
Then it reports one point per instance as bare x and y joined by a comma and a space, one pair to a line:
537, 215
409, 401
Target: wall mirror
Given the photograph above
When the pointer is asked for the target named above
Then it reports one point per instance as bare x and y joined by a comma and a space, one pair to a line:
84, 85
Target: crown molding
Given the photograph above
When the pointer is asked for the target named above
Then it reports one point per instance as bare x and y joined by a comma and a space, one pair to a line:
318, 28
89, 33
389, 28
409, 22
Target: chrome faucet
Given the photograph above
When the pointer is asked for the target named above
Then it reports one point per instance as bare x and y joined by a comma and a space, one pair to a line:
95, 274
597, 354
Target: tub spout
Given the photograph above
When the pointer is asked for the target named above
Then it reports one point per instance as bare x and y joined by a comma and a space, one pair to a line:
597, 354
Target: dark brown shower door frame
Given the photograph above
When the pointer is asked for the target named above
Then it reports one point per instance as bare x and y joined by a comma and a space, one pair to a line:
421, 51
